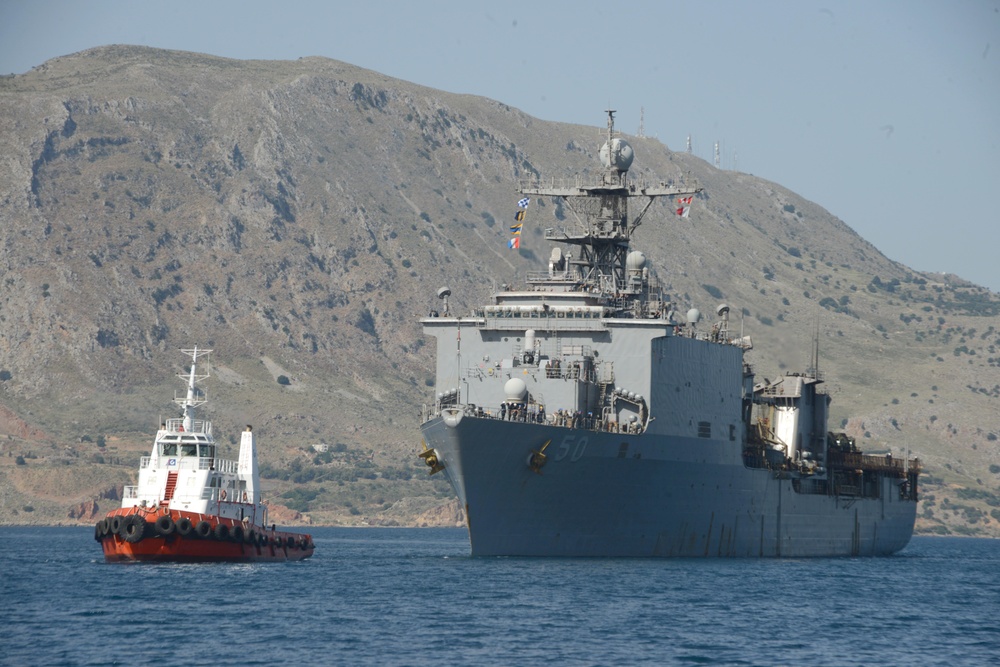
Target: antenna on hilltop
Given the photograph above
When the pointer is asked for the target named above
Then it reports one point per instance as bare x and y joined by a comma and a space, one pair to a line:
689, 144
642, 122
717, 157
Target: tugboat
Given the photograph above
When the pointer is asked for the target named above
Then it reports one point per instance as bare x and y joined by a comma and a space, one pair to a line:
190, 505
583, 415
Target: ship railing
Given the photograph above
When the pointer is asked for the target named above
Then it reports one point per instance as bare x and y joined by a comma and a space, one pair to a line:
220, 494
191, 463
869, 462
197, 426
536, 414
219, 465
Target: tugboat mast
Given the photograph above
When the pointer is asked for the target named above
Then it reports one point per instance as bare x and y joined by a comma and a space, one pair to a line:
195, 397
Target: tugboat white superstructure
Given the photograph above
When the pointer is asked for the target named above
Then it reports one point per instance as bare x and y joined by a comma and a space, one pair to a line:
191, 505
582, 416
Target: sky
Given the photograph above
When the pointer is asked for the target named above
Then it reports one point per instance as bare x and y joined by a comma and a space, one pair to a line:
884, 112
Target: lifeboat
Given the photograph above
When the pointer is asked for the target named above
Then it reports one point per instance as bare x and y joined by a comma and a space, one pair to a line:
192, 506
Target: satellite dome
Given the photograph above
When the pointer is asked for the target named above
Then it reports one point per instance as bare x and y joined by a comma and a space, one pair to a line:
635, 261
693, 316
515, 389
619, 155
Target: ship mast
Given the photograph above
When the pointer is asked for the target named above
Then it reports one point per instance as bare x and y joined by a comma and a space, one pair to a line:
604, 229
195, 396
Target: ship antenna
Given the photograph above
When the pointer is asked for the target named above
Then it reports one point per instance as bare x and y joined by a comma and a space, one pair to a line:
815, 352
195, 397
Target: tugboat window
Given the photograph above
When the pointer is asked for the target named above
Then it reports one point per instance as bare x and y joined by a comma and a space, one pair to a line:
189, 450
168, 449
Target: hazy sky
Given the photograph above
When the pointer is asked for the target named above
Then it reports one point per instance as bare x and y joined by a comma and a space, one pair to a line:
885, 113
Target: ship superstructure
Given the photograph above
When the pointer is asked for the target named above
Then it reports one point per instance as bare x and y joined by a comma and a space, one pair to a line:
190, 504
582, 415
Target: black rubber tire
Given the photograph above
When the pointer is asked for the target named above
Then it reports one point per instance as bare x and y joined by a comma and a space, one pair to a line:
237, 533
184, 526
222, 532
165, 526
134, 528
203, 529
98, 534
105, 526
115, 524
290, 542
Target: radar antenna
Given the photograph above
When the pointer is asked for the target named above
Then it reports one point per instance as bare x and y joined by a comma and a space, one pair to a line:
604, 225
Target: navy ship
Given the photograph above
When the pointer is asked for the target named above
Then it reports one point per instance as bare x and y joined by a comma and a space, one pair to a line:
582, 415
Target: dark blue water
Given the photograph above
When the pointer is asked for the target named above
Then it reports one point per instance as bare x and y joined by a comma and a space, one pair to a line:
414, 597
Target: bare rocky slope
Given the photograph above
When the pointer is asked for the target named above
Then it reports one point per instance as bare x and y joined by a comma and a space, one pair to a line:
298, 217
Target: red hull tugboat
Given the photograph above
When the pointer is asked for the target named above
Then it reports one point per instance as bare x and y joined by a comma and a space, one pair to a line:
190, 505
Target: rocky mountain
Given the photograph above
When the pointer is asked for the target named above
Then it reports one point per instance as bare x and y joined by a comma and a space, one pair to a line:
298, 218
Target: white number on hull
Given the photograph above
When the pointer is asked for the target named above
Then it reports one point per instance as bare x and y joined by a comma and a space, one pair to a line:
571, 443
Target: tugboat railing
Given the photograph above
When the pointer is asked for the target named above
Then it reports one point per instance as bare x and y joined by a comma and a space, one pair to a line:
191, 463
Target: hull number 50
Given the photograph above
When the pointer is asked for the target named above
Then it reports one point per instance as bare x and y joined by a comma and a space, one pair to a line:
571, 446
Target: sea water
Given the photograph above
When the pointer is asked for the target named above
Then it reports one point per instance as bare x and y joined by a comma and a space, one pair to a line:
378, 596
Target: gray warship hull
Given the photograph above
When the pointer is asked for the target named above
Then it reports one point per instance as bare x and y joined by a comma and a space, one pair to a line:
581, 415
617, 495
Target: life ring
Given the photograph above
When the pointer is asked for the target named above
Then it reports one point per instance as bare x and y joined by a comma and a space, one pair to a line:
203, 529
134, 528
184, 526
222, 532
237, 534
165, 525
245, 497
222, 494
115, 525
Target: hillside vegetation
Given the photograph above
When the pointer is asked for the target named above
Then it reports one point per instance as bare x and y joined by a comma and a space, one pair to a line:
298, 218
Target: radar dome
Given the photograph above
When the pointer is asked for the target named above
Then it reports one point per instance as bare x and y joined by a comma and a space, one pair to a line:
635, 261
515, 389
693, 316
617, 154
